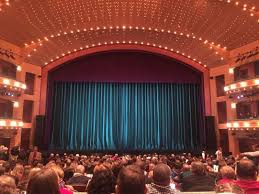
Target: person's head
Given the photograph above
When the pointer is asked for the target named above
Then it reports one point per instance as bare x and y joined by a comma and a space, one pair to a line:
227, 172
116, 167
197, 168
186, 167
80, 169
35, 148
68, 173
33, 171
18, 171
162, 174
7, 184
102, 182
44, 181
7, 167
140, 164
130, 180
59, 172
246, 170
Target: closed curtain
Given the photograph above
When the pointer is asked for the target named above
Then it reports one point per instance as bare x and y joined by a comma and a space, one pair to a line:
126, 116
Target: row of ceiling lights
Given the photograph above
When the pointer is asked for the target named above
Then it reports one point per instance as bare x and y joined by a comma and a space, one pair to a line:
211, 45
6, 2
124, 42
244, 7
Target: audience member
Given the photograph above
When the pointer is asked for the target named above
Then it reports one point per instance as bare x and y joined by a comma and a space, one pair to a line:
102, 182
247, 176
35, 156
78, 177
198, 180
227, 175
43, 182
7, 185
161, 180
131, 180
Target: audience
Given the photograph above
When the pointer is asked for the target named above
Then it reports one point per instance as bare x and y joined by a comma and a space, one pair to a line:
138, 174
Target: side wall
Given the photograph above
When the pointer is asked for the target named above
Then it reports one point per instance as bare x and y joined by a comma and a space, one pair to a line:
20, 76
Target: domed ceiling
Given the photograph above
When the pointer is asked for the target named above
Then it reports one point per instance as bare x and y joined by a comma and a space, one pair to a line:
202, 30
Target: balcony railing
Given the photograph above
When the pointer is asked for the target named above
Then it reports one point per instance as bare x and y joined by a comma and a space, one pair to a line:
10, 124
248, 124
12, 84
242, 86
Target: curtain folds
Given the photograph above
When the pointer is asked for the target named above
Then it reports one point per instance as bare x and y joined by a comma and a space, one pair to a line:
126, 116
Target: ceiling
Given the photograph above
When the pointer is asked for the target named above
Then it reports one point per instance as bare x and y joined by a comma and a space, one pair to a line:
202, 30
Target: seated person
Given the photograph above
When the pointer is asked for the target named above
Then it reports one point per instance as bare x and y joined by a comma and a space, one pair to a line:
78, 178
7, 185
102, 182
227, 174
161, 180
246, 176
198, 180
131, 180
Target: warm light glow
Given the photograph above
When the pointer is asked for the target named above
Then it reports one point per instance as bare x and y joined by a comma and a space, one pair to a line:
19, 68
256, 81
226, 88
246, 124
235, 125
17, 84
2, 123
233, 105
243, 84
20, 124
233, 86
16, 104
13, 124
6, 81
231, 70
23, 86
229, 125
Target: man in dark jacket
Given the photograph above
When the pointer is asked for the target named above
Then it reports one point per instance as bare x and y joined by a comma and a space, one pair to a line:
78, 178
198, 180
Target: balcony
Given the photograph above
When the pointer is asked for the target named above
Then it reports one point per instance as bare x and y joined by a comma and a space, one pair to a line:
10, 87
10, 124
251, 84
246, 124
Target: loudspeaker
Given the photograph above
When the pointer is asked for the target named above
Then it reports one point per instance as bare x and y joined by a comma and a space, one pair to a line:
39, 131
211, 143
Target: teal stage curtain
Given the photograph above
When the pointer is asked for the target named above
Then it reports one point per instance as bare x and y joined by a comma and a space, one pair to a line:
126, 116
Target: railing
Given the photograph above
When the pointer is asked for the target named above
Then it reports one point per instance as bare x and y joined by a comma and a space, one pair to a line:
12, 84
10, 124
242, 85
248, 124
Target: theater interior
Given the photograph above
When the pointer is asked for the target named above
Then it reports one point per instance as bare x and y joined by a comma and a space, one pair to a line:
212, 43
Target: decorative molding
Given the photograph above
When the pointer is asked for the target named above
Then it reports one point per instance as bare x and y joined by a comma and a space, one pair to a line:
247, 57
7, 53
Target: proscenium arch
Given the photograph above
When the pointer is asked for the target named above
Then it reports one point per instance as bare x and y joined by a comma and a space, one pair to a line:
89, 51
